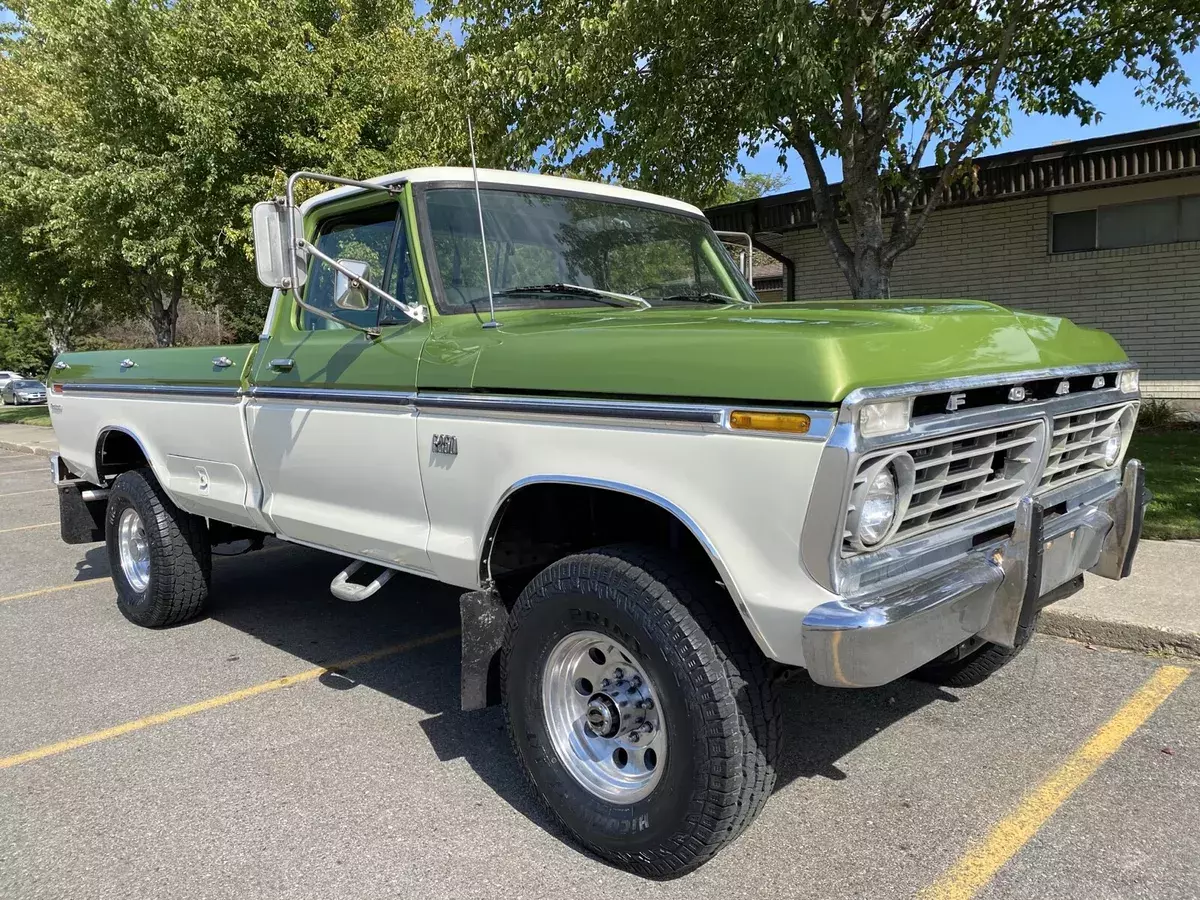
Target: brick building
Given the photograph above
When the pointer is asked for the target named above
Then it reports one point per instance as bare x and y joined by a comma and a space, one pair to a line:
1105, 232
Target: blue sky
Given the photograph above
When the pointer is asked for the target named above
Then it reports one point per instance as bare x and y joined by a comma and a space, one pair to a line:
1113, 96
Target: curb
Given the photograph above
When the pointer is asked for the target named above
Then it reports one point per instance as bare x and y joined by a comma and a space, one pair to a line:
25, 448
1119, 635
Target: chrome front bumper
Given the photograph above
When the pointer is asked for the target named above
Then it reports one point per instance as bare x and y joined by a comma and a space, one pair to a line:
989, 593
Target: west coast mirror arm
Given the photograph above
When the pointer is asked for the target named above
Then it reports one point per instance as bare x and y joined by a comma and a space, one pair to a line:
414, 311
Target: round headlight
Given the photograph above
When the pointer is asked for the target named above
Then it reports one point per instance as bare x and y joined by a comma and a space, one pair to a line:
878, 508
1112, 447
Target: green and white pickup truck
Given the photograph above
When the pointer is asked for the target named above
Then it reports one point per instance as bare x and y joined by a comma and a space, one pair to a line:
657, 495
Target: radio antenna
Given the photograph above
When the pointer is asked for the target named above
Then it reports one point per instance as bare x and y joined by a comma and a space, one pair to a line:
487, 269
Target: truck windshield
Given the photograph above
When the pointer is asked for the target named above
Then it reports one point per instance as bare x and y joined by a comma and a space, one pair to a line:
596, 252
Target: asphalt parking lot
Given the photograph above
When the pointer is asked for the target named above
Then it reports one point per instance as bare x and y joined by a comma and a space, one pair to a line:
291, 745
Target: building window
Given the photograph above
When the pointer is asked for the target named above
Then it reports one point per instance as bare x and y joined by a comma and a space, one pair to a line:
1074, 231
1165, 221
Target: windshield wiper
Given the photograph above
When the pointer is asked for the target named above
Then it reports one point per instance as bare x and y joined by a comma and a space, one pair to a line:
705, 297
610, 298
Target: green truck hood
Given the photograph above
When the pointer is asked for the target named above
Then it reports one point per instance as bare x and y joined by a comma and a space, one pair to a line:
814, 352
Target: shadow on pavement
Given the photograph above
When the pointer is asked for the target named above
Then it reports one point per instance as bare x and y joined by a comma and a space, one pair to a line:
282, 598
93, 565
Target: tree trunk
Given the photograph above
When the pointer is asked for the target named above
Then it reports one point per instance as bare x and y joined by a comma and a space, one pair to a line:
163, 302
872, 278
61, 337
871, 272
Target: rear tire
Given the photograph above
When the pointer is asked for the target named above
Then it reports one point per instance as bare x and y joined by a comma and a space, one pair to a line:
978, 666
159, 555
697, 678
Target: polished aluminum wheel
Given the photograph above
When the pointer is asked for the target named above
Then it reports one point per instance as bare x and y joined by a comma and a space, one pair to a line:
134, 550
604, 717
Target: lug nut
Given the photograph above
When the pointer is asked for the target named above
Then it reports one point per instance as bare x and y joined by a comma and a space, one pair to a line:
618, 673
646, 704
635, 737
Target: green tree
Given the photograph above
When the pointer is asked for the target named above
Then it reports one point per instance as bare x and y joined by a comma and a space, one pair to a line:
135, 135
24, 347
666, 93
750, 186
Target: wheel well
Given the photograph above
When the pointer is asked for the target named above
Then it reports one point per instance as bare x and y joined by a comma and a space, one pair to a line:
117, 452
541, 523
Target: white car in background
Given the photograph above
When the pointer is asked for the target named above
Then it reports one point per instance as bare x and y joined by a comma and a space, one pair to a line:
6, 377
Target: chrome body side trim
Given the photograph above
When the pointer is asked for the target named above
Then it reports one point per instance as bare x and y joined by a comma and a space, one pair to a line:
918, 615
712, 416
603, 409
158, 390
332, 395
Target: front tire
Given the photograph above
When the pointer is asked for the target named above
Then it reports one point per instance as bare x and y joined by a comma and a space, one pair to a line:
159, 555
642, 710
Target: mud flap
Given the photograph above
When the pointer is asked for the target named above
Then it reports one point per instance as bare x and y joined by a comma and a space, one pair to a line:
484, 623
81, 509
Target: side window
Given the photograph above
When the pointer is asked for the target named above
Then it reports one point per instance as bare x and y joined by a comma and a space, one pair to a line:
401, 280
365, 236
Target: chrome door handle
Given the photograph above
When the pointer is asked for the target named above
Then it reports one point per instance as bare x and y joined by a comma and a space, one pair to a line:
127, 364
283, 364
222, 362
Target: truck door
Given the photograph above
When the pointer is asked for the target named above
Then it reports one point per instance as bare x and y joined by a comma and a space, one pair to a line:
331, 420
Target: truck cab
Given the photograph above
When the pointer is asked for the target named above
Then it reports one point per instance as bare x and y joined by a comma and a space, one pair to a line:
655, 492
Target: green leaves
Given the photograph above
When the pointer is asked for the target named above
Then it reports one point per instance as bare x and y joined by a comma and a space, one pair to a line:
135, 135
664, 94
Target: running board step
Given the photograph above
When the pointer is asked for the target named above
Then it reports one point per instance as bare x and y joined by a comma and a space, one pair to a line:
344, 589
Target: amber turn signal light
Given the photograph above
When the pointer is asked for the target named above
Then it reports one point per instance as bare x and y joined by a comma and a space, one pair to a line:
786, 423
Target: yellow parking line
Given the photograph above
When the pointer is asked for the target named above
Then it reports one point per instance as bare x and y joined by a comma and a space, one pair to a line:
26, 527
57, 587
38, 491
981, 862
191, 709
76, 584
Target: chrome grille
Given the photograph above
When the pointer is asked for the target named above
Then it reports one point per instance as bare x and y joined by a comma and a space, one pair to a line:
1077, 445
958, 476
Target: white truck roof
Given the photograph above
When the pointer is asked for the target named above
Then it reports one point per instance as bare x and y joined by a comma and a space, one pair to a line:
498, 177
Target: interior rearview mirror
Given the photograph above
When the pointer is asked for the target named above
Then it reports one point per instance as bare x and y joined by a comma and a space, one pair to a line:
348, 293
273, 230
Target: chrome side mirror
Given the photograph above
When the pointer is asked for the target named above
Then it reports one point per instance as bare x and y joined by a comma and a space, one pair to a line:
348, 290
275, 251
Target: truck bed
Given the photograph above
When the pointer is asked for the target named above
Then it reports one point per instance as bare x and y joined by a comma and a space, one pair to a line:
180, 407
